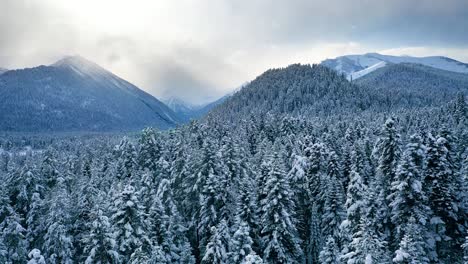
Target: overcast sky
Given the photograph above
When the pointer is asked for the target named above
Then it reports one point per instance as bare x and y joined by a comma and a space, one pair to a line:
198, 50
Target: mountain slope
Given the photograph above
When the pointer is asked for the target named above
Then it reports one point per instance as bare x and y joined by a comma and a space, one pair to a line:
186, 111
75, 94
318, 91
356, 66
415, 83
295, 90
2, 70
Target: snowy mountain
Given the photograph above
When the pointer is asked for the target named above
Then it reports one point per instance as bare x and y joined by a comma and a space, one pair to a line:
356, 66
2, 70
187, 111
183, 109
75, 94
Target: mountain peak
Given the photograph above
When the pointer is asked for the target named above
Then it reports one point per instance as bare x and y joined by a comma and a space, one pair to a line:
80, 65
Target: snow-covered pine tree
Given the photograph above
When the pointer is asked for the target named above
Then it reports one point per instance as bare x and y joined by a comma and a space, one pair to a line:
48, 170
247, 210
387, 153
180, 250
35, 257
100, 245
83, 213
172, 232
330, 253
21, 185
252, 258
157, 256
34, 221
58, 241
241, 243
279, 237
412, 246
407, 195
149, 150
128, 223
126, 159
213, 201
333, 209
440, 185
217, 249
355, 210
366, 246
13, 236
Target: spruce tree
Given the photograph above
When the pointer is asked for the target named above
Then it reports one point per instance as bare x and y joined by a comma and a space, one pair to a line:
128, 222
366, 246
34, 221
407, 195
35, 257
242, 243
330, 253
13, 238
100, 245
333, 211
217, 249
412, 246
58, 240
387, 154
279, 237
440, 186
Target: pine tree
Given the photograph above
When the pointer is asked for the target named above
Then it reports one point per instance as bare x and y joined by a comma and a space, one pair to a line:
355, 210
252, 258
21, 185
333, 211
58, 242
407, 195
126, 160
48, 168
366, 246
280, 240
13, 237
128, 222
412, 246
247, 209
330, 253
387, 153
180, 250
217, 248
440, 186
149, 150
172, 232
100, 245
213, 201
34, 221
157, 256
36, 257
242, 243
87, 197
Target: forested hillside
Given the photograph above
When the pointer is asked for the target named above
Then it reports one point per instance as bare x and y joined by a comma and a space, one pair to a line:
300, 166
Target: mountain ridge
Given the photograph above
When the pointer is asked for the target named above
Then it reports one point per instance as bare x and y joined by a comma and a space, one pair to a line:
76, 94
356, 66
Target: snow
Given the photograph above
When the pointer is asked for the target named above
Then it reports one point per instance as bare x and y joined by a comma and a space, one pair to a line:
356, 66
367, 70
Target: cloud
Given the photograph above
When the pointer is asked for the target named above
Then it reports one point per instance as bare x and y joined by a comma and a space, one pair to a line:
201, 49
